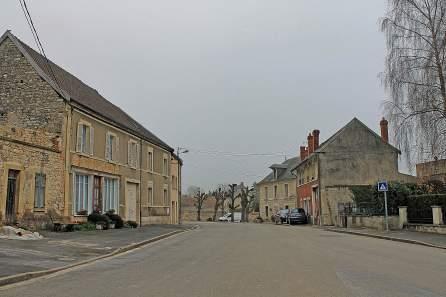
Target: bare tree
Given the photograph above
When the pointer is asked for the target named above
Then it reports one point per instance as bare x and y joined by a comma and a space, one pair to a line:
232, 199
220, 197
414, 75
246, 200
199, 200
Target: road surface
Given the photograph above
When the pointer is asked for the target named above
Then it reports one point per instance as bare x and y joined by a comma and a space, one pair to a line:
224, 259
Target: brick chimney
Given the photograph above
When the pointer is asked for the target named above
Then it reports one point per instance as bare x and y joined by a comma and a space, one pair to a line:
316, 139
303, 152
310, 144
384, 130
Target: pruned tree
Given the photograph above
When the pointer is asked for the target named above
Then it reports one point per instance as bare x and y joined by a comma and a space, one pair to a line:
246, 200
415, 75
220, 197
199, 197
232, 199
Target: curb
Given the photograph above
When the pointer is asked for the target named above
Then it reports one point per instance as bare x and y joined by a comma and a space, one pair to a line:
9, 280
411, 241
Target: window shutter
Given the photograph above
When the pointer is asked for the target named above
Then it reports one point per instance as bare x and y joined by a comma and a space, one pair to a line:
129, 153
79, 138
116, 149
107, 146
91, 140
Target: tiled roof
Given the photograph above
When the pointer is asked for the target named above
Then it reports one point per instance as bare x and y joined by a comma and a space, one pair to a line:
73, 89
288, 165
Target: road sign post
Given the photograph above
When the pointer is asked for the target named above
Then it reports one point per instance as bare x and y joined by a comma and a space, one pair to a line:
384, 187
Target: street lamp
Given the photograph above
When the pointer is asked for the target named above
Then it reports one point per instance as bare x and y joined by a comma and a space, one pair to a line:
180, 150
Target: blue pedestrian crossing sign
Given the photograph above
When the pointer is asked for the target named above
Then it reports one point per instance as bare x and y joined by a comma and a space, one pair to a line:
383, 186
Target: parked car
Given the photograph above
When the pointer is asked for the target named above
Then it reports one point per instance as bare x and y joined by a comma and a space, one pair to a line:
296, 216
227, 217
281, 216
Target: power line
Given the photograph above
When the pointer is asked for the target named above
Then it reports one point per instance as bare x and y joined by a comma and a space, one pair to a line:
30, 22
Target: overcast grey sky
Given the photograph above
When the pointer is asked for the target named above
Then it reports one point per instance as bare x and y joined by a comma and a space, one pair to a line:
230, 75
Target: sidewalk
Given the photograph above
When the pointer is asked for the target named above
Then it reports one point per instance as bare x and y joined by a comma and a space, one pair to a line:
59, 249
427, 239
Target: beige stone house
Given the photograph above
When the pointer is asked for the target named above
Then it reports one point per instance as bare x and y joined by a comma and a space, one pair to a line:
354, 155
66, 148
278, 189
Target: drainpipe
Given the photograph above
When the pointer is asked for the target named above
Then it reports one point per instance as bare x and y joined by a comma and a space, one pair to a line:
140, 182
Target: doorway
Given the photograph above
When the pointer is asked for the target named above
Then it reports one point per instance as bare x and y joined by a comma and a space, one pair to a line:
12, 198
130, 201
97, 194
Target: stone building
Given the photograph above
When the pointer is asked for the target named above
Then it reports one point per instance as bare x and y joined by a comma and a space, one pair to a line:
278, 189
433, 170
64, 147
355, 155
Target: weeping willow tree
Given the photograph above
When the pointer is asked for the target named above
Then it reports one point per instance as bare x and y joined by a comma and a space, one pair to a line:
414, 76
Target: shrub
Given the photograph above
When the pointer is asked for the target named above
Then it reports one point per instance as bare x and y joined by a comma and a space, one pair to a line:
97, 218
85, 227
209, 220
115, 219
259, 219
132, 224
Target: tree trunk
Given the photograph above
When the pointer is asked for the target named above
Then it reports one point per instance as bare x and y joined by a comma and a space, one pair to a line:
215, 210
199, 214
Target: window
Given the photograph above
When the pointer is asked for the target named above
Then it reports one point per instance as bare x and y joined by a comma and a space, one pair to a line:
111, 194
39, 192
165, 166
111, 147
150, 195
165, 197
133, 150
275, 173
266, 193
82, 197
85, 138
275, 191
174, 182
286, 191
150, 159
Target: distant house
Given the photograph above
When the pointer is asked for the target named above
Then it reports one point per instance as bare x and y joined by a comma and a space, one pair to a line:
278, 189
433, 170
65, 148
355, 155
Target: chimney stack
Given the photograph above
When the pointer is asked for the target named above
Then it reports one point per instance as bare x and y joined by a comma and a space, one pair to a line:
316, 139
310, 144
384, 130
303, 152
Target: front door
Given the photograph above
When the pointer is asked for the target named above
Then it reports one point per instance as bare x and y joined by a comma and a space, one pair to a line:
130, 201
12, 197
97, 194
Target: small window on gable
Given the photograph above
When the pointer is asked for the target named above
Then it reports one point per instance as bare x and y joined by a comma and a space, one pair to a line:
85, 138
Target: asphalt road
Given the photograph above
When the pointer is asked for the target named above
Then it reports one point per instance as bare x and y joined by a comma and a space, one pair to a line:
255, 260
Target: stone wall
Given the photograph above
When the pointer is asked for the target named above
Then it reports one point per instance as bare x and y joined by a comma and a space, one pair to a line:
32, 123
372, 222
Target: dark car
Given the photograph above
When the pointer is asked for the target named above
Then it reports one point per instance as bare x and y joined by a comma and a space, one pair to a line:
297, 216
281, 216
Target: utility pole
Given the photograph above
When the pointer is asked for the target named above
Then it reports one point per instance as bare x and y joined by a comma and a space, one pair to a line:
180, 150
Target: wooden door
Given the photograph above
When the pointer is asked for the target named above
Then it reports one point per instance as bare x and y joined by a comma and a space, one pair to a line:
12, 197
130, 201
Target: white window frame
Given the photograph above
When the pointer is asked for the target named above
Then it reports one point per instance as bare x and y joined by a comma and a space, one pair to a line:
110, 194
150, 159
39, 191
165, 169
132, 160
165, 195
83, 144
150, 195
111, 149
87, 190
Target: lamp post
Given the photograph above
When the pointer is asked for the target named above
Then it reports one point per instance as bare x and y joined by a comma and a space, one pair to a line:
180, 150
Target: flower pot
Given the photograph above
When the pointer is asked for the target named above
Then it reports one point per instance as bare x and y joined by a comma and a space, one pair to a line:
99, 227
